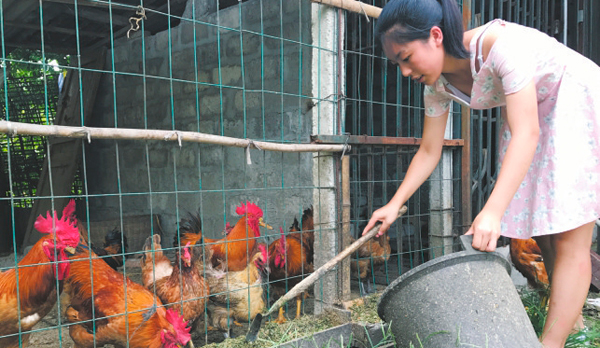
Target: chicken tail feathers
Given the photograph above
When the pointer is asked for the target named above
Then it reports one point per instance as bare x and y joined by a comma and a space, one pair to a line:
307, 219
190, 225
114, 238
152, 245
295, 225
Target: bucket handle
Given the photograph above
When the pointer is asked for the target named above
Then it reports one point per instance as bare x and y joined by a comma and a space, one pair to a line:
467, 244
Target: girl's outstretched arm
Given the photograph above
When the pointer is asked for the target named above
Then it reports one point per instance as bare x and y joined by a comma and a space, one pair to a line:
421, 166
522, 119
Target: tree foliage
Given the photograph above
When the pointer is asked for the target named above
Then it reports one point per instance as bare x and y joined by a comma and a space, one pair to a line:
30, 63
29, 93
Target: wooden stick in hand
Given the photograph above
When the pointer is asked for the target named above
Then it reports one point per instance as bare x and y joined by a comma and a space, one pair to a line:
306, 282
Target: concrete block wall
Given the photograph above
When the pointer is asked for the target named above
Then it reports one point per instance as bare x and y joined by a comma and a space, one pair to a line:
207, 77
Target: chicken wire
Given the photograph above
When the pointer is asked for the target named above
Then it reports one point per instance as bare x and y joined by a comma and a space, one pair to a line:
242, 70
387, 109
256, 70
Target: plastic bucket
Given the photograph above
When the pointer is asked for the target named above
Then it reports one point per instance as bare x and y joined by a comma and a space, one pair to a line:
465, 299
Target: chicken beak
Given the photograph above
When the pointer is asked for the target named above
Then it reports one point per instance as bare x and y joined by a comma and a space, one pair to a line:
70, 250
263, 224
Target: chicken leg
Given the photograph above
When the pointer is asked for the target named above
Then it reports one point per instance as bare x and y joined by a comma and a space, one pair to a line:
280, 318
299, 305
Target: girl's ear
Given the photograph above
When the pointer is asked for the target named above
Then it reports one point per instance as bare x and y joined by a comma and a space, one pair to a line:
436, 35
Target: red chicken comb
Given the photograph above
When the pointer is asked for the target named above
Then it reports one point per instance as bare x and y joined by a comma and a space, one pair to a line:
263, 251
65, 227
182, 331
249, 208
186, 251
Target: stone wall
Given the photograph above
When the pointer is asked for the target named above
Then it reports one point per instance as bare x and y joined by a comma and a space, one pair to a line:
210, 77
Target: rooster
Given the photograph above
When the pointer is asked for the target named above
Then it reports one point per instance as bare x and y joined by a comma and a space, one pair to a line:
291, 258
38, 272
305, 233
237, 295
113, 251
238, 245
180, 284
526, 255
111, 309
368, 257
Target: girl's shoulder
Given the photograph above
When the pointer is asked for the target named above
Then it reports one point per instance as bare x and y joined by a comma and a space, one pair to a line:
497, 36
484, 37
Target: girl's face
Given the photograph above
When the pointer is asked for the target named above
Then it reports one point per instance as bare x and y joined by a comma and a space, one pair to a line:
421, 60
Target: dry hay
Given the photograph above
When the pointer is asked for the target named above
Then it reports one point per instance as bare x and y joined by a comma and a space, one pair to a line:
365, 310
272, 334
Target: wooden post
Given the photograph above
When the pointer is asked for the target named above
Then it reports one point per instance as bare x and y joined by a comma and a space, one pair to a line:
61, 165
465, 132
344, 272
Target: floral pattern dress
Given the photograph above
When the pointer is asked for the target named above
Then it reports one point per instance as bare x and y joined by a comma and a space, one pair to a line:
560, 191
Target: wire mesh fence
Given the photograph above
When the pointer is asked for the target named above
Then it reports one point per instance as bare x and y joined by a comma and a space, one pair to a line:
232, 71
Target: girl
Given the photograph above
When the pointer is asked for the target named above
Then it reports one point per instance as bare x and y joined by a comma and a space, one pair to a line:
549, 148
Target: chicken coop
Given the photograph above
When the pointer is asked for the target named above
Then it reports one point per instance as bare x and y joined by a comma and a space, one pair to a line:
248, 140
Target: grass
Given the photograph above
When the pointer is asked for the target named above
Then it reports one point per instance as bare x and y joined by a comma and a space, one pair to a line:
589, 337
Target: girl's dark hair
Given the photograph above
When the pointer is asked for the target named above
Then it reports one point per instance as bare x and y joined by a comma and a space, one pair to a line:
408, 20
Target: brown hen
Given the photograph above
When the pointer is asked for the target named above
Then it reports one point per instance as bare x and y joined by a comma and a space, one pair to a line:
109, 308
237, 295
527, 258
369, 257
178, 284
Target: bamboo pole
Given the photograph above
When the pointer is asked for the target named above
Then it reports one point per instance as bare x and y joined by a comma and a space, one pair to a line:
12, 128
353, 5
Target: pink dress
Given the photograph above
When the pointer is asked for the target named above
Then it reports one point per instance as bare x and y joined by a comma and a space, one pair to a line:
561, 189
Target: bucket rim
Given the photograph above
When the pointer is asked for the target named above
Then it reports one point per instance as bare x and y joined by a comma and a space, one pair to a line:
434, 265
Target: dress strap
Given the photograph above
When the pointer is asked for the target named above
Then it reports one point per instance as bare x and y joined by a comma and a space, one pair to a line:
479, 37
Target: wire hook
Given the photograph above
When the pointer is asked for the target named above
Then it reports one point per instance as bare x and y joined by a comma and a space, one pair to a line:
177, 133
10, 130
250, 144
134, 22
346, 146
363, 10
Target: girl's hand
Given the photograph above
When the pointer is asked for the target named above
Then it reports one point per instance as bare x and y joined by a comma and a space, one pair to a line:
386, 214
485, 230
